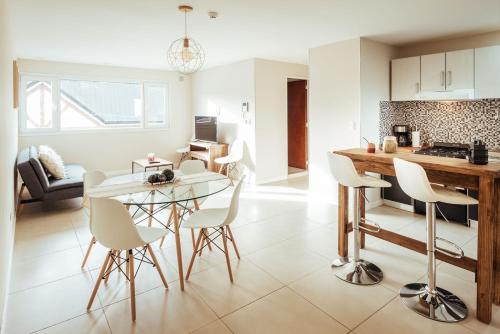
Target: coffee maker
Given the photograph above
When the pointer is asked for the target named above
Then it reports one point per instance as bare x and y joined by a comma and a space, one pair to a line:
402, 134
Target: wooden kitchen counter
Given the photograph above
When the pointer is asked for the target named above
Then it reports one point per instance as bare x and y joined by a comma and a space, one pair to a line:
448, 171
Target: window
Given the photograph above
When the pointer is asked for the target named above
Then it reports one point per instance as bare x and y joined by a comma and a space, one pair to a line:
61, 104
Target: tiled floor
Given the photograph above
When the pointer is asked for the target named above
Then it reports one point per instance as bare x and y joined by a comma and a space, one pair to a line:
283, 282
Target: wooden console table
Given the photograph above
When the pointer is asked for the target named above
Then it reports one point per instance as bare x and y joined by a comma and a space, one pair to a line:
208, 152
448, 171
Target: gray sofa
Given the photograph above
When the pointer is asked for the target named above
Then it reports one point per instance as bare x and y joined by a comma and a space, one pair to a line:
41, 185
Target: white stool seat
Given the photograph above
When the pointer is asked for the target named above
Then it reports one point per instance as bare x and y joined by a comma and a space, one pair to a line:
373, 182
183, 150
207, 218
446, 195
151, 234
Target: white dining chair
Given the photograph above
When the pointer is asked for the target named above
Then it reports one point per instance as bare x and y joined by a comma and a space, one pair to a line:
190, 167
90, 179
217, 219
229, 162
185, 153
114, 228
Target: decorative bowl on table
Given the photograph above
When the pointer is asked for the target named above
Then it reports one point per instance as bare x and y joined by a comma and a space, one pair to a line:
165, 177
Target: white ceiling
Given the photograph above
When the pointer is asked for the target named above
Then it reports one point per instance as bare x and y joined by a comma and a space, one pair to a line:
138, 32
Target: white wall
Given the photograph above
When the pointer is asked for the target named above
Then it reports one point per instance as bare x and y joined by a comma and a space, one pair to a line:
334, 109
220, 91
271, 132
375, 59
348, 80
113, 150
450, 44
8, 152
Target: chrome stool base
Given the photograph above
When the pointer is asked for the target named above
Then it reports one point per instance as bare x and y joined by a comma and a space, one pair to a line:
361, 272
441, 306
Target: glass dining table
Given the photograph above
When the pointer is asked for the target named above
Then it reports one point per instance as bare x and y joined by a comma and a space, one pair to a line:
146, 201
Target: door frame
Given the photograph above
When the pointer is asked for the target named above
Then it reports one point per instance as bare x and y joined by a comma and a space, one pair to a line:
298, 77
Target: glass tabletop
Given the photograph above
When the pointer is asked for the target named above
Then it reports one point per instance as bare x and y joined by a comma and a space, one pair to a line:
131, 189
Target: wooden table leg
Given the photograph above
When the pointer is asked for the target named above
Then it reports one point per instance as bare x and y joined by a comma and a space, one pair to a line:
343, 218
496, 280
178, 244
151, 209
485, 240
362, 209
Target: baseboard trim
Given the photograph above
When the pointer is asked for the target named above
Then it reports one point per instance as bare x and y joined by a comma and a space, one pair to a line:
271, 179
295, 175
374, 204
397, 205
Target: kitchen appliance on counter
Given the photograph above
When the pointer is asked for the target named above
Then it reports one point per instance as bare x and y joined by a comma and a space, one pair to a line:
402, 134
457, 213
478, 154
450, 150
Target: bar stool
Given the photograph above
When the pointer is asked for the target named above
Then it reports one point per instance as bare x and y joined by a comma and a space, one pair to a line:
357, 271
427, 299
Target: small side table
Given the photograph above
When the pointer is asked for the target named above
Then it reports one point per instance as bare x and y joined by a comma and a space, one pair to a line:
145, 163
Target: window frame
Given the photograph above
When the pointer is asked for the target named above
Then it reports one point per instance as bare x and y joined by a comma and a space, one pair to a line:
165, 124
56, 107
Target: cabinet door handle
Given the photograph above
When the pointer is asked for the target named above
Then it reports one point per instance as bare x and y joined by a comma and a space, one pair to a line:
449, 78
442, 78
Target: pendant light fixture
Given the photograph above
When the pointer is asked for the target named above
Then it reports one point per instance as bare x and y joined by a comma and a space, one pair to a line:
185, 54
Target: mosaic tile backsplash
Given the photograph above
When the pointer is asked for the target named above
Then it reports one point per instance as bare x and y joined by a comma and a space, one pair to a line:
451, 121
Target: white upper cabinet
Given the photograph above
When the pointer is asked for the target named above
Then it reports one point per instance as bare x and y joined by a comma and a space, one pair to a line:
433, 72
405, 76
460, 70
487, 72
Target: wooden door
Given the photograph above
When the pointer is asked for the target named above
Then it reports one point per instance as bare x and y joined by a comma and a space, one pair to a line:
297, 124
433, 72
460, 69
405, 79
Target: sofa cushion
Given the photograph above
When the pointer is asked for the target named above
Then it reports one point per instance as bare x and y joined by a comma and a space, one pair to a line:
32, 172
52, 161
74, 179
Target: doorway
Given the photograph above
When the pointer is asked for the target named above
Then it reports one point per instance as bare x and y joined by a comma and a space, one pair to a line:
297, 125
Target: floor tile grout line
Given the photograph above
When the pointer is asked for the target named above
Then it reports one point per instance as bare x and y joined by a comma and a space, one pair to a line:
317, 307
46, 283
66, 320
371, 315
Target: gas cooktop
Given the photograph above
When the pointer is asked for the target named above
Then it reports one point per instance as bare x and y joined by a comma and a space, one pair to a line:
450, 150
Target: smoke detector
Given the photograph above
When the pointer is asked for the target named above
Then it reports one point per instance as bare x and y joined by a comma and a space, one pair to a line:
213, 14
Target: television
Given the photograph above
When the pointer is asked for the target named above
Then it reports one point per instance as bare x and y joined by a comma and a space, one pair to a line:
205, 128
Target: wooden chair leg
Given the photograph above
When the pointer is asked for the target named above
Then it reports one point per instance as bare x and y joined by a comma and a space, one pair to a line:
209, 243
155, 261
92, 243
99, 279
193, 239
20, 206
127, 265
233, 241
110, 266
200, 235
228, 262
202, 242
168, 224
132, 283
